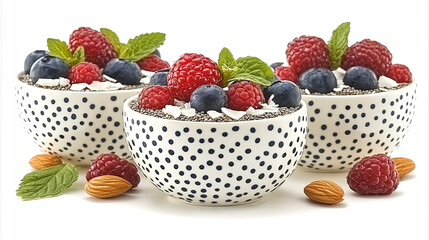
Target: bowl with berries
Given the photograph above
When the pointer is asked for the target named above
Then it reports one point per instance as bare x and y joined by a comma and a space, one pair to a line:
70, 98
359, 103
217, 133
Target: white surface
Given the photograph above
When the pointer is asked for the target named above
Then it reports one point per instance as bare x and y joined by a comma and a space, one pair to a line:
256, 28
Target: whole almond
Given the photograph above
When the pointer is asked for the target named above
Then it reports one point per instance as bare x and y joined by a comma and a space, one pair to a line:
44, 160
404, 165
324, 191
107, 186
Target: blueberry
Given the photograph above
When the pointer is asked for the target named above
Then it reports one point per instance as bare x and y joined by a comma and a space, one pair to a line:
124, 71
160, 77
157, 53
360, 78
49, 67
320, 80
275, 65
286, 93
276, 78
33, 57
208, 97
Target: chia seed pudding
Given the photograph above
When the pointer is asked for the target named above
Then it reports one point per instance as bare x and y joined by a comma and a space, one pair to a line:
354, 91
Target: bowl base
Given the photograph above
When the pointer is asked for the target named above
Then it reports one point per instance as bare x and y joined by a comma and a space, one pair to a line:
208, 204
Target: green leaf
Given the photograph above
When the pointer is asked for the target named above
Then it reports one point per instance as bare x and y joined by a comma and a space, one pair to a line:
78, 56
338, 44
255, 67
226, 59
142, 45
113, 38
249, 77
47, 182
58, 48
227, 74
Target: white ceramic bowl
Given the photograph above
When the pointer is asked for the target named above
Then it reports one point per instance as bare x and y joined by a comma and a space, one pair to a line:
343, 129
74, 125
216, 164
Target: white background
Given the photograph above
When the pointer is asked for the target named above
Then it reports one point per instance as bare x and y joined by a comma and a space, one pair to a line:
256, 28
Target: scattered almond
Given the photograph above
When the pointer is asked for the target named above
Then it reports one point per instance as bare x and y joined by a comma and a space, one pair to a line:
107, 186
324, 191
404, 165
42, 161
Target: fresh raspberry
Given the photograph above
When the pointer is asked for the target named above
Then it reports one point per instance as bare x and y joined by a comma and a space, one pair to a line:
155, 97
153, 63
400, 73
97, 47
244, 94
286, 73
111, 164
370, 54
191, 71
307, 52
375, 175
84, 72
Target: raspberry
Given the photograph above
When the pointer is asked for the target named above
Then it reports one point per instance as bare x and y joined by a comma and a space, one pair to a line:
97, 47
307, 52
155, 97
244, 94
153, 63
286, 73
375, 175
85, 72
400, 73
191, 71
370, 54
111, 164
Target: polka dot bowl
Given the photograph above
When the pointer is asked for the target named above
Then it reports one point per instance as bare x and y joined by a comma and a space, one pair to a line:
343, 129
77, 126
216, 164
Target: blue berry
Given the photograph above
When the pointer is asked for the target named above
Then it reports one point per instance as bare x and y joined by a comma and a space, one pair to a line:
360, 78
275, 65
124, 71
159, 78
320, 80
49, 67
286, 93
276, 78
157, 53
208, 97
32, 58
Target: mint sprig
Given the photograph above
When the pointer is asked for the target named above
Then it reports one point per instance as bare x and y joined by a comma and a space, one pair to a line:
58, 48
338, 44
47, 182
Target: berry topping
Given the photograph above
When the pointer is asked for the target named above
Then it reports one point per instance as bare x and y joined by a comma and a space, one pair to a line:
244, 94
153, 63
159, 78
49, 67
276, 65
400, 73
124, 71
111, 164
286, 93
208, 97
191, 71
97, 47
307, 52
320, 80
85, 72
33, 57
286, 73
375, 175
370, 54
360, 78
155, 97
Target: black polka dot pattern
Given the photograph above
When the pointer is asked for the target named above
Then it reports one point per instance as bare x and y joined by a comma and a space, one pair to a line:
216, 163
76, 126
342, 130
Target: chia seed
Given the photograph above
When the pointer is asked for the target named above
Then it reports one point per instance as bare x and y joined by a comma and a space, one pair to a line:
353, 91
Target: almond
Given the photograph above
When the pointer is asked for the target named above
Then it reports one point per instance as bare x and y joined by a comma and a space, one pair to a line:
404, 165
44, 160
324, 191
107, 186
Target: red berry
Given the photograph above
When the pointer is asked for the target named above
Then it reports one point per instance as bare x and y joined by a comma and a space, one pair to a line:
244, 94
84, 72
153, 63
97, 47
307, 52
111, 164
191, 71
400, 73
286, 73
370, 54
375, 175
155, 97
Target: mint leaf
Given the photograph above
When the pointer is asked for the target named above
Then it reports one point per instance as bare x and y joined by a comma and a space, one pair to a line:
249, 77
113, 38
47, 182
226, 58
78, 56
58, 48
338, 44
256, 67
142, 45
